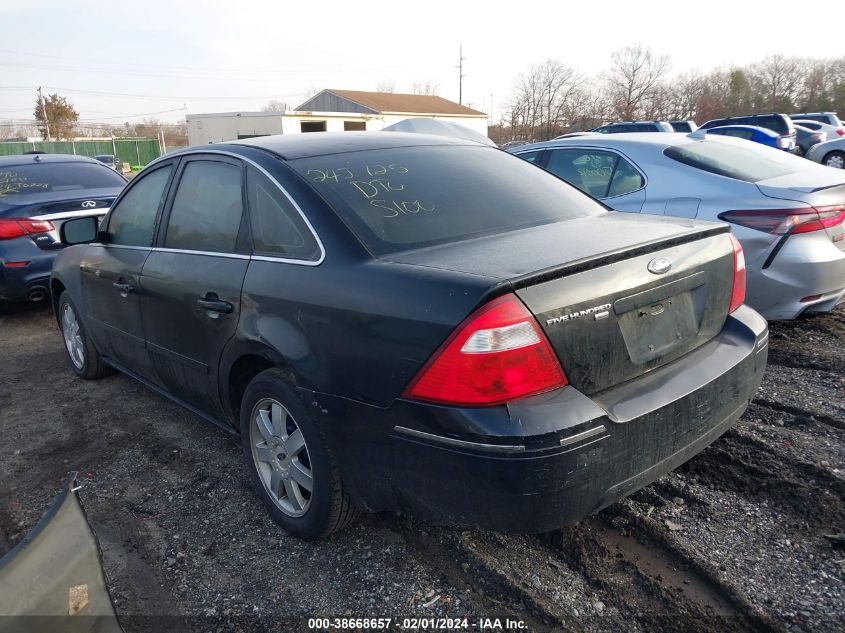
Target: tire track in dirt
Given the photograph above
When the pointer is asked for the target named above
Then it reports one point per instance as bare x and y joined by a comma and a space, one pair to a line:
753, 470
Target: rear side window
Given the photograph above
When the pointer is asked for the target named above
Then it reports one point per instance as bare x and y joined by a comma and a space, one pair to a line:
277, 227
132, 219
589, 170
402, 198
775, 123
751, 164
20, 180
681, 126
208, 208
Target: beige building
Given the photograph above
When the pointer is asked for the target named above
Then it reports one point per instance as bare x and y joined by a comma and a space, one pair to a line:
332, 111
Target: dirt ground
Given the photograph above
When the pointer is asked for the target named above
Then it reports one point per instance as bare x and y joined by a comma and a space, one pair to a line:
734, 540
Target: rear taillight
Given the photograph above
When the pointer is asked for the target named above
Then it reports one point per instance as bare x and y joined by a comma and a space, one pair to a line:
783, 142
498, 354
840, 132
787, 221
18, 227
738, 292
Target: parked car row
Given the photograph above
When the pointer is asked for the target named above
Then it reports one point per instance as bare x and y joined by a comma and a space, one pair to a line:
796, 133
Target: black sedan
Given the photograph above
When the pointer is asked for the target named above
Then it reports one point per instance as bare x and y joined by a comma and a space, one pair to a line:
419, 324
37, 194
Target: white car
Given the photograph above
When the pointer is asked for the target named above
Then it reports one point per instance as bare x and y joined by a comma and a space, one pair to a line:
830, 153
787, 213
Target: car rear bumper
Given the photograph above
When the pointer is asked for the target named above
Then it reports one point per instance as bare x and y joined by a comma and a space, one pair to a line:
807, 265
551, 459
25, 282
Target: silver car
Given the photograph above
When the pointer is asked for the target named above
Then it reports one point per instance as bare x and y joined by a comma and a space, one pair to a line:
830, 153
787, 213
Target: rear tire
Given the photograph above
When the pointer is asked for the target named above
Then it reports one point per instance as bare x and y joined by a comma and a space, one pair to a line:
290, 463
84, 358
834, 159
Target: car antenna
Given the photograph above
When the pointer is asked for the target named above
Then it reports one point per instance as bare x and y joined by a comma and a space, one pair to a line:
699, 134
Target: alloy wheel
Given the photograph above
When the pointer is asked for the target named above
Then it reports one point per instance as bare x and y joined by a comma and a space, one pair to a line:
73, 337
281, 457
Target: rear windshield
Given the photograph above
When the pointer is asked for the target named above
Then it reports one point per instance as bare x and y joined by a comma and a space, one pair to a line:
681, 126
403, 198
751, 164
21, 180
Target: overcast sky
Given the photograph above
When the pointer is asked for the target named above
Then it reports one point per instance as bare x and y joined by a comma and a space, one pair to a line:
114, 59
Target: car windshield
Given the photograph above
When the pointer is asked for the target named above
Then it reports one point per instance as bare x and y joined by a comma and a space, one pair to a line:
21, 180
751, 164
405, 198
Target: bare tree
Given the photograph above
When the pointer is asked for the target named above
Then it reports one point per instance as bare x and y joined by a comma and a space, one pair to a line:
427, 87
386, 86
778, 80
274, 105
633, 78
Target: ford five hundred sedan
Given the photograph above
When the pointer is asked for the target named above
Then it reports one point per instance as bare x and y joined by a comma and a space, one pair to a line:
416, 324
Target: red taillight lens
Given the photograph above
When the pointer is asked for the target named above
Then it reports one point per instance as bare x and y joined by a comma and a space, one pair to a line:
738, 293
498, 354
840, 132
18, 227
786, 221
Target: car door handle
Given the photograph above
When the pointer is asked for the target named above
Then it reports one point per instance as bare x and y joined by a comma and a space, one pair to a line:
124, 287
213, 304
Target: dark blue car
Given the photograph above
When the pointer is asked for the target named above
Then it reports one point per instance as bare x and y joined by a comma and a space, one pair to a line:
751, 133
37, 194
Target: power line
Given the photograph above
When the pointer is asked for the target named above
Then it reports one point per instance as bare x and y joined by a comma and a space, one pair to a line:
215, 70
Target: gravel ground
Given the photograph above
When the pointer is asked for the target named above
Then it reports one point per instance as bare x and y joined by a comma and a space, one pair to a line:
732, 541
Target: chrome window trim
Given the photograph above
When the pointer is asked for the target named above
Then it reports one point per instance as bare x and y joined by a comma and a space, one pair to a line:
67, 215
262, 258
490, 448
185, 251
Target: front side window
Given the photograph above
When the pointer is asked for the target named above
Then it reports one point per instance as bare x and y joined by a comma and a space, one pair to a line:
277, 227
395, 199
207, 209
132, 220
531, 157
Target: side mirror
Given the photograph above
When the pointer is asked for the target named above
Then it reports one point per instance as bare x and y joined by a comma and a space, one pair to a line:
79, 231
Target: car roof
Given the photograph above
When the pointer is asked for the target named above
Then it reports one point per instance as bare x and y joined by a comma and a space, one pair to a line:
292, 146
42, 159
621, 140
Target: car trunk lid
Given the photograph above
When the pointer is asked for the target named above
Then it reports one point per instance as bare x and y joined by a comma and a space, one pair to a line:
588, 283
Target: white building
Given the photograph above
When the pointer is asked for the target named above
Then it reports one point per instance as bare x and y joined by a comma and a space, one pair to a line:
332, 111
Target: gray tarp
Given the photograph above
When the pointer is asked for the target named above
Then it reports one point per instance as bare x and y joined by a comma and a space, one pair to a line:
53, 579
439, 128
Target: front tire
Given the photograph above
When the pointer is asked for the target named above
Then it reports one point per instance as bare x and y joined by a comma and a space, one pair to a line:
835, 159
84, 358
290, 464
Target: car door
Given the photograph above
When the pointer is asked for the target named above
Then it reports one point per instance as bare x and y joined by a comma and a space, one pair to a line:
110, 270
192, 280
602, 173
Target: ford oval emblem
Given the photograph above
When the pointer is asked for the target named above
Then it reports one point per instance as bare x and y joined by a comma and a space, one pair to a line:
659, 265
